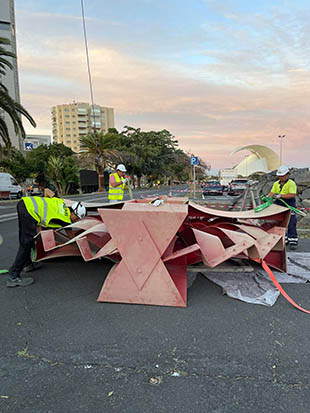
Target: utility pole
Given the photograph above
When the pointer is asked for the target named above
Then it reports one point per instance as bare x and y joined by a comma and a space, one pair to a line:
281, 139
98, 160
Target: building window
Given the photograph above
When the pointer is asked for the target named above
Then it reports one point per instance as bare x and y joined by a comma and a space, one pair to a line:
4, 26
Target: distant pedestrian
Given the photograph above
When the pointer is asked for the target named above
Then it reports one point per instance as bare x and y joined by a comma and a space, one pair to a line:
117, 184
286, 189
36, 212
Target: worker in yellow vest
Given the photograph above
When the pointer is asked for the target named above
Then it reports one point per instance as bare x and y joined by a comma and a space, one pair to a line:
117, 184
286, 189
36, 212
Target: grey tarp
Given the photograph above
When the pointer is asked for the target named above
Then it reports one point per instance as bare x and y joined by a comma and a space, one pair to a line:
253, 285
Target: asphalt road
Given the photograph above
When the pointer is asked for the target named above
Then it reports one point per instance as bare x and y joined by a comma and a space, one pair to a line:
62, 351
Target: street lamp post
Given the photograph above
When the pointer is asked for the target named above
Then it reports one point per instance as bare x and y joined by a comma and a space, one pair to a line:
281, 139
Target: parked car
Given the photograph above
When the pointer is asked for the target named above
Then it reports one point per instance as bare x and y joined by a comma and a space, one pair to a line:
237, 186
9, 187
213, 188
35, 190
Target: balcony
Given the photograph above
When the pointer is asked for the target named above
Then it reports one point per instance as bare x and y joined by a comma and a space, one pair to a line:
82, 111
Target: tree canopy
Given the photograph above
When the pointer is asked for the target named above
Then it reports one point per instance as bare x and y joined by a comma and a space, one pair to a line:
37, 160
153, 153
99, 147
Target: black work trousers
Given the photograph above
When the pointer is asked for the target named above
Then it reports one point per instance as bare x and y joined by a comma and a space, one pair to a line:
291, 237
27, 230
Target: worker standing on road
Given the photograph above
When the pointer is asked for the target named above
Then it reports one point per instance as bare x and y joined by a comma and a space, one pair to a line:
286, 189
117, 184
36, 212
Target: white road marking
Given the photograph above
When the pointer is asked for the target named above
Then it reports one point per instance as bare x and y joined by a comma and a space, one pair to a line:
13, 214
8, 219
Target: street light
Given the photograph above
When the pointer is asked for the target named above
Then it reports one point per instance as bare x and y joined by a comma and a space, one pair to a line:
281, 137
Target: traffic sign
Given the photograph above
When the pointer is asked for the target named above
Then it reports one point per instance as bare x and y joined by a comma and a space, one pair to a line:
194, 160
28, 146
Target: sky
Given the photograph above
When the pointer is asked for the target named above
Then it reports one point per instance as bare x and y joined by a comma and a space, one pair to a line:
217, 74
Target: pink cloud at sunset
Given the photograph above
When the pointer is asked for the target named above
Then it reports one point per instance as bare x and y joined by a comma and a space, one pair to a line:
243, 83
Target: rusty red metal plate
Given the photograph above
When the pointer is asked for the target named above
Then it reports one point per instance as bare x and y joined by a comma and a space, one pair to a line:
152, 246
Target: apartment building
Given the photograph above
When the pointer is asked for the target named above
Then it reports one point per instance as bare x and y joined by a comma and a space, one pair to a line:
73, 120
10, 79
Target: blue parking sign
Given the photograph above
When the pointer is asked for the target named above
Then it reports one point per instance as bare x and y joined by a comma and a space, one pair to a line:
194, 160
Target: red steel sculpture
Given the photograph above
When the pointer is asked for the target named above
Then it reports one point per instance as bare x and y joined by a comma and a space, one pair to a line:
152, 246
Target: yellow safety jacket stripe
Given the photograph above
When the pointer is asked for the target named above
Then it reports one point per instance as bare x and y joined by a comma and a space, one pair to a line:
45, 210
116, 193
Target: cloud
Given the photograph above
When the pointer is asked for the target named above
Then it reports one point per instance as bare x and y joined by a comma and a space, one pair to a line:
247, 90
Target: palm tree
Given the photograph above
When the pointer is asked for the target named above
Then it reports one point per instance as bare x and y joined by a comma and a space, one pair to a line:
54, 168
9, 105
99, 147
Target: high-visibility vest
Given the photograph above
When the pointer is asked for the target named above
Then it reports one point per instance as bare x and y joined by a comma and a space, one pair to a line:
116, 193
44, 210
289, 187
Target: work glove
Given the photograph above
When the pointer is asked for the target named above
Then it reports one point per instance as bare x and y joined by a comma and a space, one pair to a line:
124, 180
277, 196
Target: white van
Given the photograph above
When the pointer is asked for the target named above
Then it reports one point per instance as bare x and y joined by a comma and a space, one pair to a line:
9, 184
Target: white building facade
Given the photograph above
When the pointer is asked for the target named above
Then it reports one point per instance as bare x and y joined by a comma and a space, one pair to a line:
33, 141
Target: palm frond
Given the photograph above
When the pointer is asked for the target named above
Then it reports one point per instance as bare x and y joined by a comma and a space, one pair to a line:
4, 62
4, 133
12, 108
99, 147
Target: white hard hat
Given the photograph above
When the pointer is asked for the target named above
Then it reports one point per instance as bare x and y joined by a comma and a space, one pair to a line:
283, 170
121, 168
79, 209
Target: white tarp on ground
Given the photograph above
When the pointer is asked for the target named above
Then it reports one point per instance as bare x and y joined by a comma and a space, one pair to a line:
255, 286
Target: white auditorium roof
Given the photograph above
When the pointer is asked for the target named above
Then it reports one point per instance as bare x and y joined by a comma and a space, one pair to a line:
262, 159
